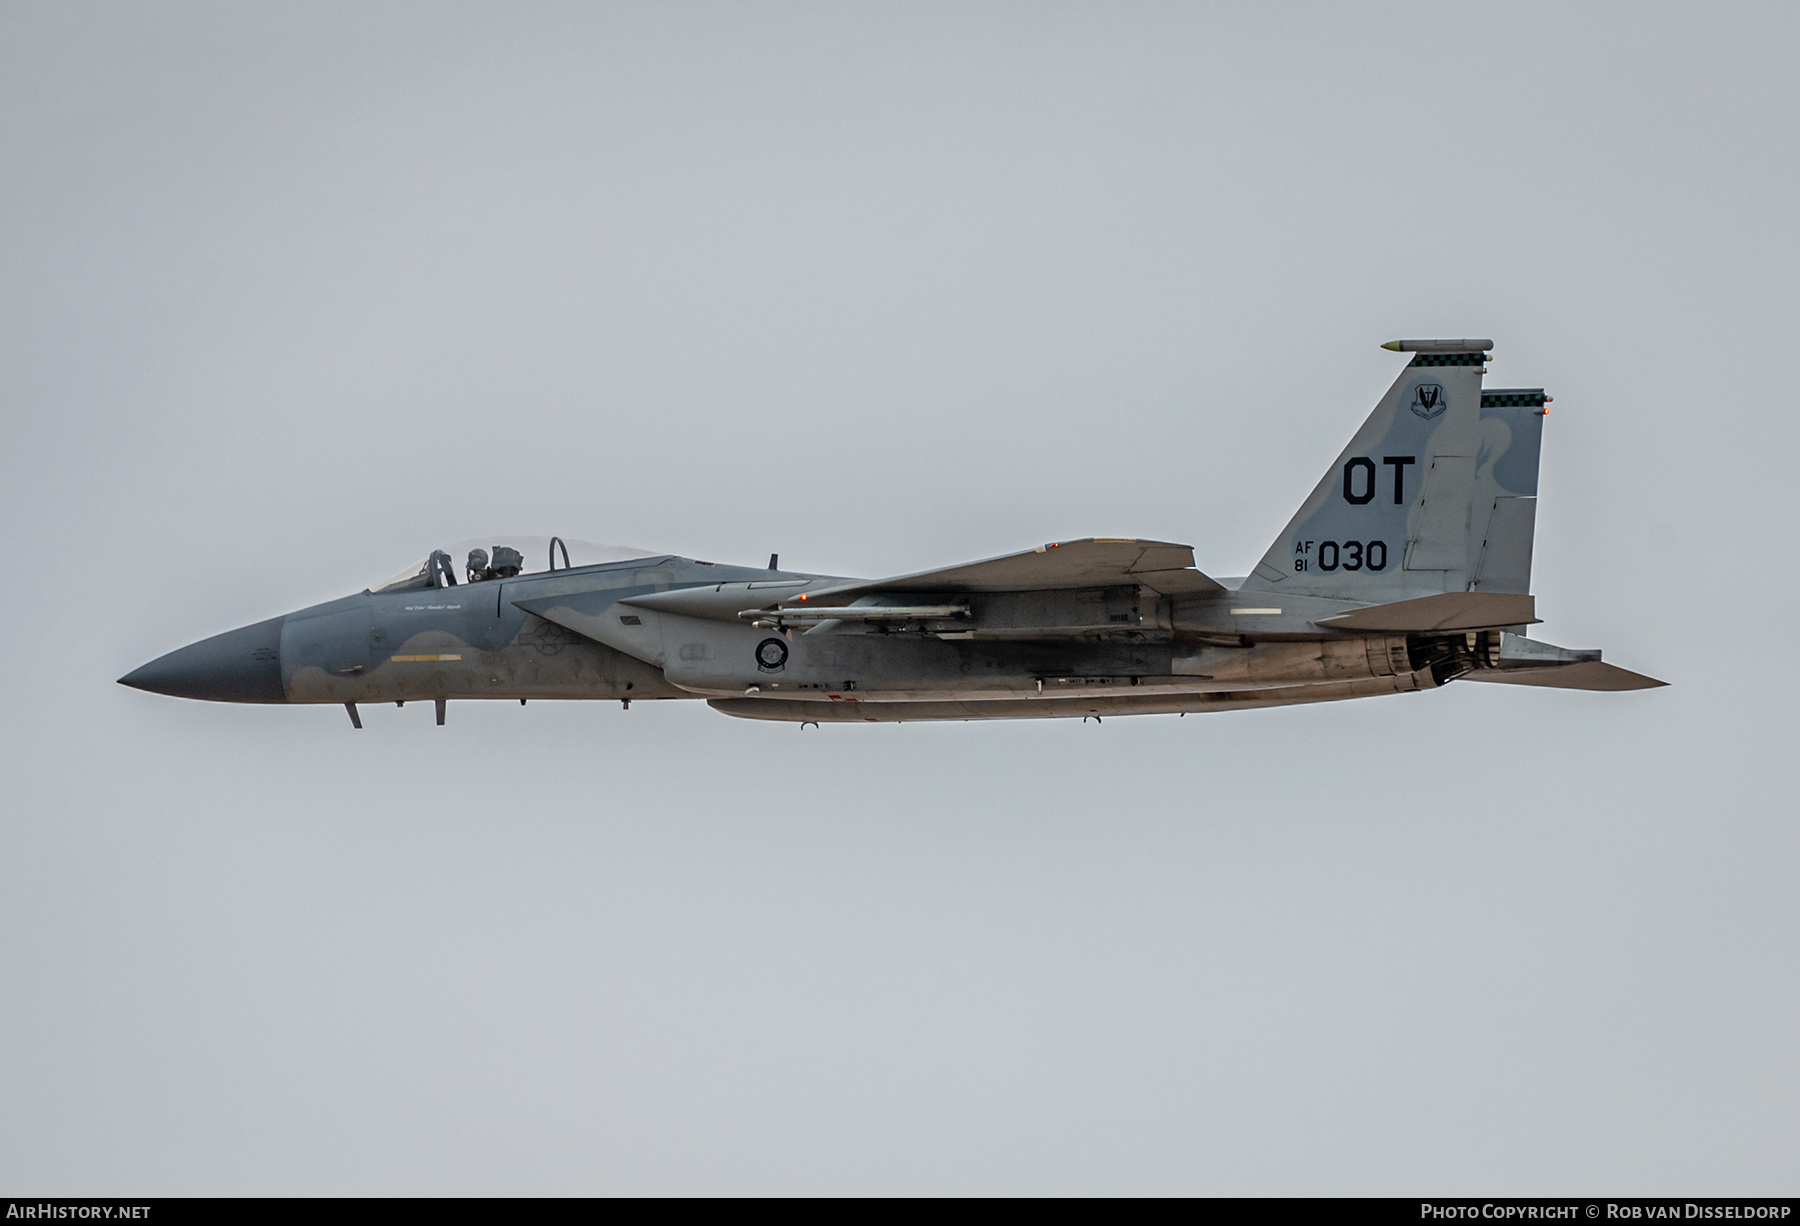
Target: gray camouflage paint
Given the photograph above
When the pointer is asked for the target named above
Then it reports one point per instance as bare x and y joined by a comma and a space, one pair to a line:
1430, 482
1423, 523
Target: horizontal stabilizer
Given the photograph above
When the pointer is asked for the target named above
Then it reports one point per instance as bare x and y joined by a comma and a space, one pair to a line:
1587, 675
1097, 562
1443, 612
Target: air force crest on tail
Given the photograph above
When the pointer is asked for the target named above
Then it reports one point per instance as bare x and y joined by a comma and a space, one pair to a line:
1429, 401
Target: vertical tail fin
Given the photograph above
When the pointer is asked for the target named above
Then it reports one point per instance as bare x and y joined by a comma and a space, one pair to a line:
1437, 492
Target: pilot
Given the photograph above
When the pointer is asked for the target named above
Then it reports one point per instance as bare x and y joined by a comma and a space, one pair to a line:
507, 563
478, 566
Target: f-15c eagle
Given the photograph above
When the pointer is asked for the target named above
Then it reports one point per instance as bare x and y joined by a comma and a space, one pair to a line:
1407, 567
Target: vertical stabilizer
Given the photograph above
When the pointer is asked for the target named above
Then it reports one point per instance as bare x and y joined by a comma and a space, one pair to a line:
1437, 492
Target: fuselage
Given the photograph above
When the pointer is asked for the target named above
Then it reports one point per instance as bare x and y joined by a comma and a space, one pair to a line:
516, 638
1407, 566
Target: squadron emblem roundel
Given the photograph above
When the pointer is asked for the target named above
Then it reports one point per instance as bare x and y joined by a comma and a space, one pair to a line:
771, 655
1428, 400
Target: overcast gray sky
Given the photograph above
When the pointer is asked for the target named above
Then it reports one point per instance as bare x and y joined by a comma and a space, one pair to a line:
293, 293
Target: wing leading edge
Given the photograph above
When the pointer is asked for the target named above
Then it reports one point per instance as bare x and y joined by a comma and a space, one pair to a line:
1162, 566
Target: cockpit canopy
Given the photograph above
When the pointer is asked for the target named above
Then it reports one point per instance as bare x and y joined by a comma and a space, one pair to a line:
484, 559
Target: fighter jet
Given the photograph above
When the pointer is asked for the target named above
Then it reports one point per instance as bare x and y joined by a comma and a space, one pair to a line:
1408, 567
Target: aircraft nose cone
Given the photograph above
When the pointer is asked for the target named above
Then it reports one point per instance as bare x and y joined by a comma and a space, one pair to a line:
242, 665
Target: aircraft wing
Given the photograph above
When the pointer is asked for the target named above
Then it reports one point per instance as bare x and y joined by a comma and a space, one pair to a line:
1094, 562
